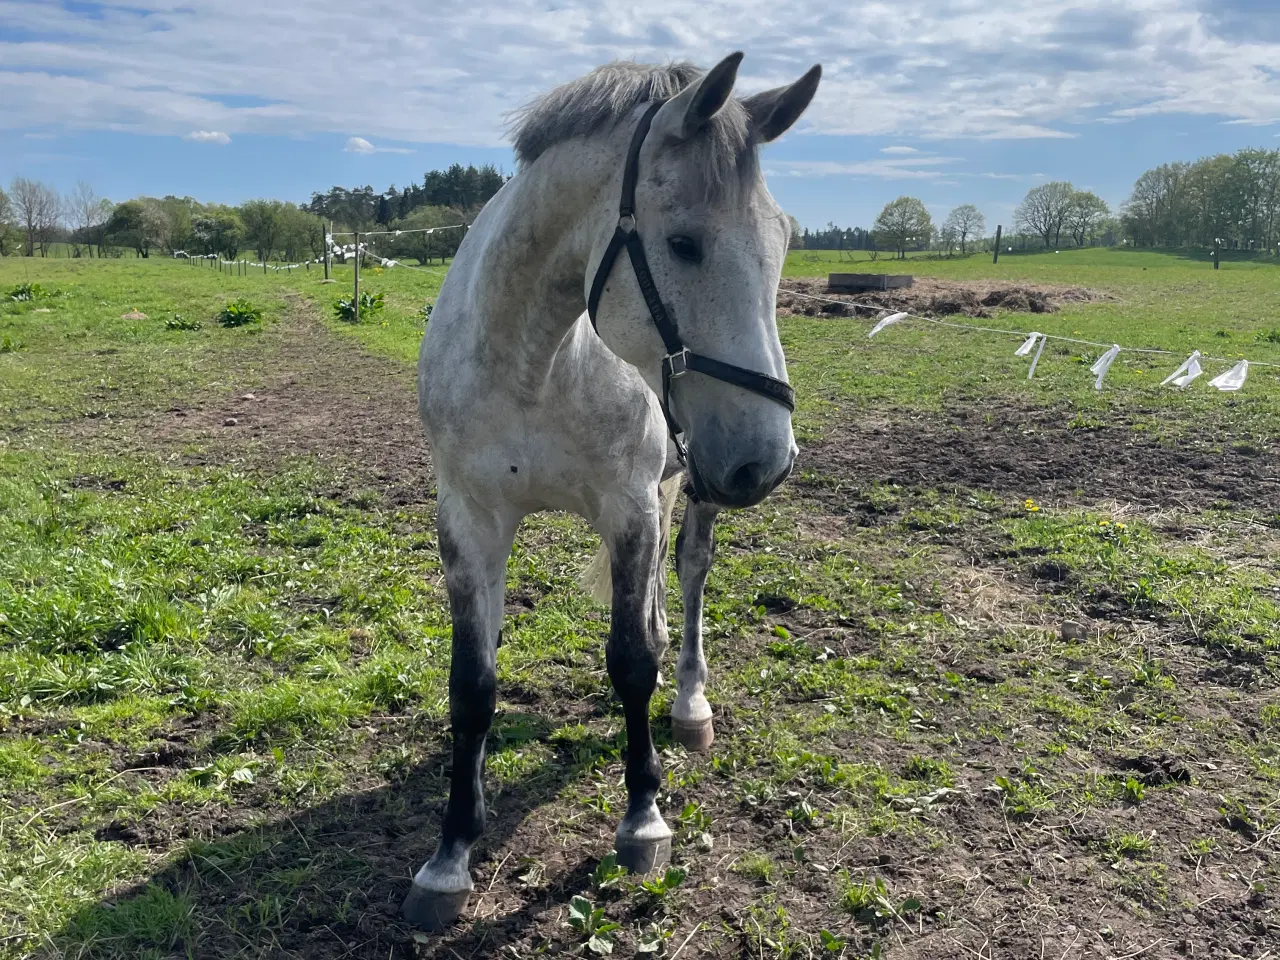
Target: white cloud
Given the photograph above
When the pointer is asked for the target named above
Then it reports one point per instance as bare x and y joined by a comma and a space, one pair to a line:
209, 136
923, 69
895, 168
899, 151
361, 145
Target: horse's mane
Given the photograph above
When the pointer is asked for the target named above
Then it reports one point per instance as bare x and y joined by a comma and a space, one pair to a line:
724, 151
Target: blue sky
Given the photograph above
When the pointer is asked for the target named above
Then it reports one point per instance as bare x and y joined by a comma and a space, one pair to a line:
952, 101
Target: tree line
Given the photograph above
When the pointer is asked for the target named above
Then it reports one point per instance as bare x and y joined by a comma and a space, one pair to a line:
34, 217
1229, 200
461, 189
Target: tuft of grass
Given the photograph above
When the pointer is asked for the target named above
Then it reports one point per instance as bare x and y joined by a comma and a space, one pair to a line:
756, 866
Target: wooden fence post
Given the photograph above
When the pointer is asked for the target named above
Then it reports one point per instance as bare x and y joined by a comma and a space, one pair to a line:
996, 256
355, 303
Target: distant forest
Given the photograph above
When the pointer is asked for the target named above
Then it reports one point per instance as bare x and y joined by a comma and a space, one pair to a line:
461, 189
838, 238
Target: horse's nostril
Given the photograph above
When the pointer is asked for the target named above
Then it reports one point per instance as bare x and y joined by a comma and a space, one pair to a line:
748, 477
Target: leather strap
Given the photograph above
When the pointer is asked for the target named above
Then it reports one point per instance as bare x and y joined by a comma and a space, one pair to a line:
679, 359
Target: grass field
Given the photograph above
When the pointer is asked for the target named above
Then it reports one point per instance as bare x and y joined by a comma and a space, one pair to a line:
995, 675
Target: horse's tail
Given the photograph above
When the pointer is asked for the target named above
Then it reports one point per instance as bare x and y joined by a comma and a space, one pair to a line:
597, 578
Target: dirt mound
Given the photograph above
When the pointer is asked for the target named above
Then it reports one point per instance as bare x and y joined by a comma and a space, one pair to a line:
929, 296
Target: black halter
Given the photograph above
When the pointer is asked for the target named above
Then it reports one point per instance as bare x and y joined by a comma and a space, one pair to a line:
679, 359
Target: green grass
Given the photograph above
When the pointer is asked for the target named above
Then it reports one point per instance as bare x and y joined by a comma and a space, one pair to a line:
224, 686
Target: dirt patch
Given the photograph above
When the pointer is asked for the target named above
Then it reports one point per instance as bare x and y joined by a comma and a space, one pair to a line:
1032, 452
321, 398
930, 296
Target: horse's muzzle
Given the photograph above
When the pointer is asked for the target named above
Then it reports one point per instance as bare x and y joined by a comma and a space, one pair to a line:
741, 484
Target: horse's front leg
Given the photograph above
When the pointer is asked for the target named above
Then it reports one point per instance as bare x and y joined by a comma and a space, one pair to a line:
637, 637
474, 546
695, 549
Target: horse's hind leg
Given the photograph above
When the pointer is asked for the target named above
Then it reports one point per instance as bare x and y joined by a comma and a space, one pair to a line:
695, 547
474, 546
637, 637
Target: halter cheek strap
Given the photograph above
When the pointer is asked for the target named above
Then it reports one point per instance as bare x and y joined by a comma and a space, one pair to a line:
679, 359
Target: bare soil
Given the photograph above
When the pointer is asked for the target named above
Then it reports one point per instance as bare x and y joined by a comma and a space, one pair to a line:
929, 296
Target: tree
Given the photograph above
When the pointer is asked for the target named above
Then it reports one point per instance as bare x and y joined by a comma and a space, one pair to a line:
797, 234
966, 221
38, 210
948, 237
1044, 210
262, 222
6, 219
218, 230
903, 222
1087, 213
141, 223
424, 247
89, 213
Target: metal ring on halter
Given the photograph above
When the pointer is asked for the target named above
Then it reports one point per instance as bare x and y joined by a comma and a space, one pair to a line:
677, 363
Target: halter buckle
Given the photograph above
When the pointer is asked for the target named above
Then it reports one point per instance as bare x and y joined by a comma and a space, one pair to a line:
627, 222
677, 364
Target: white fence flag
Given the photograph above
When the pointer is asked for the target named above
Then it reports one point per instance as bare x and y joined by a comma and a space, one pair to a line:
887, 321
1103, 364
1189, 370
1233, 379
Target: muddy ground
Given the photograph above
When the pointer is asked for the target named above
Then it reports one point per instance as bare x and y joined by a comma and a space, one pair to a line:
930, 296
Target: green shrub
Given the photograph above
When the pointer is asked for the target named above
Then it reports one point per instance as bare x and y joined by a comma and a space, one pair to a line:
344, 308
179, 322
238, 313
25, 292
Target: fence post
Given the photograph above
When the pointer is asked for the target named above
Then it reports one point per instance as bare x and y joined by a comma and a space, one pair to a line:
356, 300
328, 234
995, 258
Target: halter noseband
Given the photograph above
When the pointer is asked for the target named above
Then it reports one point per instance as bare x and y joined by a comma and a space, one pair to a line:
679, 358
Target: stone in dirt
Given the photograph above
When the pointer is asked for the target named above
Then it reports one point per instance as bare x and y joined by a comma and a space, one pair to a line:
230, 422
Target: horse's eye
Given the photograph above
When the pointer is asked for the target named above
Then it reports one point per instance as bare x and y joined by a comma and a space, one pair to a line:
684, 248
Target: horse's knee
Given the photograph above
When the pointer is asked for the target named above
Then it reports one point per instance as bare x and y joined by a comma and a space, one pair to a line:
633, 666
473, 698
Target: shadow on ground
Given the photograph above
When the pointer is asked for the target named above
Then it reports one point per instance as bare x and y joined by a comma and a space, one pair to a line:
327, 882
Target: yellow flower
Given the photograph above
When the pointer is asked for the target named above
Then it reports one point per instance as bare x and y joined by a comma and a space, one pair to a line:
1104, 523
1120, 526
1030, 505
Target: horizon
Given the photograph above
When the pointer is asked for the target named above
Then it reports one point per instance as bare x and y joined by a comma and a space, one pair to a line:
940, 101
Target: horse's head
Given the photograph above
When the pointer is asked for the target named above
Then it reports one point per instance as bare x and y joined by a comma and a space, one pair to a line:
715, 242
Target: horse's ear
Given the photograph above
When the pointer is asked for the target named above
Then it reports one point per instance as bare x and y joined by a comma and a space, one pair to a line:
688, 111
774, 111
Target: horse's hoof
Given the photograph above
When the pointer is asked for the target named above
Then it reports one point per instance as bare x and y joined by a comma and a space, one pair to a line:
433, 910
695, 736
643, 856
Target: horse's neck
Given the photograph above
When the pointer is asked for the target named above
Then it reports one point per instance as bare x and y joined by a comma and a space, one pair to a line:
528, 282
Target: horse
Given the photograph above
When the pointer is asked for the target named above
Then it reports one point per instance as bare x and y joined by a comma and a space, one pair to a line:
674, 373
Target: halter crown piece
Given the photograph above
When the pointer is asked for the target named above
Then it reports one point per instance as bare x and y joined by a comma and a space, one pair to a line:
679, 359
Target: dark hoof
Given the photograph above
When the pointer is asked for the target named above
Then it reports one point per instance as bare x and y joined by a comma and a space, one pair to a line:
644, 856
696, 737
432, 910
